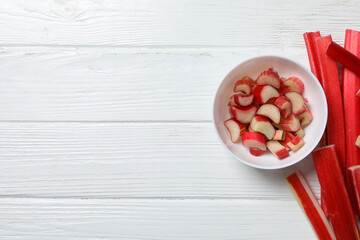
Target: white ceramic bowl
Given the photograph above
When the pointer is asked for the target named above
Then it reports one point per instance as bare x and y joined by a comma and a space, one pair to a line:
286, 68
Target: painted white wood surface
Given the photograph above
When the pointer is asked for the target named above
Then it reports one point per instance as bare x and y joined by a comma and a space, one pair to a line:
105, 118
151, 219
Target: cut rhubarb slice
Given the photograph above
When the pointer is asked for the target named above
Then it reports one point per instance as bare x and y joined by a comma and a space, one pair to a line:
305, 118
300, 133
232, 101
235, 129
262, 94
297, 101
270, 111
288, 138
277, 149
254, 140
331, 83
294, 84
290, 124
244, 114
296, 143
263, 125
335, 194
310, 205
279, 135
345, 57
243, 100
284, 105
256, 152
269, 77
244, 85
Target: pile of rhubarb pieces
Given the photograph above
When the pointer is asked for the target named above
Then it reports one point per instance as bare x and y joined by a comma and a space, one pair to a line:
337, 162
268, 113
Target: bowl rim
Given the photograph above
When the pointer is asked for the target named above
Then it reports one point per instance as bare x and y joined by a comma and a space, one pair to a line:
310, 149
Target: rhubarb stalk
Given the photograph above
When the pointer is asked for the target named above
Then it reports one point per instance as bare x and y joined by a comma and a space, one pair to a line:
343, 56
354, 179
331, 84
335, 194
309, 38
351, 83
310, 205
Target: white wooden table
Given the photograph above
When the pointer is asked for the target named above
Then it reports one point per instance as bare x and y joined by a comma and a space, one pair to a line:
105, 118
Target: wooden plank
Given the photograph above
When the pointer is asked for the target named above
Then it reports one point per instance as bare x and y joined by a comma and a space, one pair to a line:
101, 84
260, 24
151, 219
130, 160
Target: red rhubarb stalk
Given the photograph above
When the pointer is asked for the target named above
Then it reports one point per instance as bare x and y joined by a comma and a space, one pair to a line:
343, 56
354, 179
335, 194
331, 84
351, 84
310, 205
309, 38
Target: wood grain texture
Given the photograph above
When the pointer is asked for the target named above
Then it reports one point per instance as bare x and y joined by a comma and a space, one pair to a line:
130, 160
162, 23
151, 219
100, 84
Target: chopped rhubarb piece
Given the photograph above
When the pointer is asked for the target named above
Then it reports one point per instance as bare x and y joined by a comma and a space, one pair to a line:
297, 101
284, 105
244, 114
288, 138
354, 179
243, 100
331, 84
310, 206
244, 85
250, 129
262, 94
232, 110
283, 79
270, 111
357, 142
235, 129
290, 124
294, 84
351, 84
284, 89
335, 194
232, 101
277, 149
343, 56
254, 140
296, 143
263, 125
309, 38
269, 77
305, 118
300, 133
279, 135
256, 152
